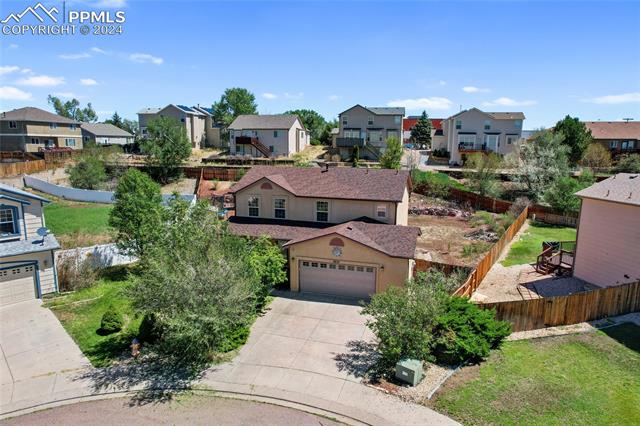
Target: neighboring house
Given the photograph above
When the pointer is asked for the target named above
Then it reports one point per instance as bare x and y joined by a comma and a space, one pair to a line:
197, 121
343, 229
438, 141
267, 135
619, 137
105, 134
27, 263
608, 240
473, 131
367, 128
31, 129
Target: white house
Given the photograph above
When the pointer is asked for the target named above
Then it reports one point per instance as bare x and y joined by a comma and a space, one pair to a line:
105, 134
267, 135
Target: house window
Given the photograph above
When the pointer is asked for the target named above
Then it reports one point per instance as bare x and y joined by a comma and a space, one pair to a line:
344, 120
458, 124
270, 148
370, 120
627, 144
72, 126
491, 142
511, 139
392, 134
487, 125
53, 125
397, 119
352, 133
466, 141
70, 142
35, 140
254, 206
613, 144
275, 134
517, 124
381, 211
375, 136
8, 221
13, 125
280, 208
322, 211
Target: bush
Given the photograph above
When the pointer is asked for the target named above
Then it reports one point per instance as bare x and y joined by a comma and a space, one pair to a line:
149, 330
112, 321
463, 332
88, 173
628, 164
235, 338
519, 205
268, 263
441, 153
475, 248
432, 184
596, 156
76, 272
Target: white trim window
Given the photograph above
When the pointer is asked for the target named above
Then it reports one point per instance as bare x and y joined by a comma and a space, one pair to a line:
517, 124
254, 206
53, 125
613, 144
322, 211
511, 139
345, 120
381, 211
35, 141
69, 142
370, 120
491, 142
352, 133
397, 119
280, 208
467, 141
13, 125
487, 124
7, 222
458, 124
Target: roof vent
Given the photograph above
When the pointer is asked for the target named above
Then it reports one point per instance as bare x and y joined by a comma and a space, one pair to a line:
607, 193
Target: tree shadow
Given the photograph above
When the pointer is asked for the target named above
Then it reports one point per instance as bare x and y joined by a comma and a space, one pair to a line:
362, 360
627, 334
152, 380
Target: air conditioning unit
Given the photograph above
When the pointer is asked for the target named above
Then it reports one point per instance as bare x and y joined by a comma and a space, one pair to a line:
409, 371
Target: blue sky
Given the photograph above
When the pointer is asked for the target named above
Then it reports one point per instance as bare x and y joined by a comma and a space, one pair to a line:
546, 59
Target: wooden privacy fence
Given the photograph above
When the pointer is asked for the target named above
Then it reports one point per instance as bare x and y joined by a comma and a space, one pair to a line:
22, 167
478, 274
564, 310
212, 173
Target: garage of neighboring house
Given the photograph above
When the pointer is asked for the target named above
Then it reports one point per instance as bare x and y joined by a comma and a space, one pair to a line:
17, 284
353, 259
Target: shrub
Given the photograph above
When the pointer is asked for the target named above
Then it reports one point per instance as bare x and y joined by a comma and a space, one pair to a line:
88, 173
483, 177
628, 164
112, 321
596, 156
268, 263
76, 272
432, 184
519, 205
149, 330
463, 332
235, 338
441, 153
475, 248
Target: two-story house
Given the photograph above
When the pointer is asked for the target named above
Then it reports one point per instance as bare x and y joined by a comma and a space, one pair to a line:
27, 262
31, 129
267, 135
197, 121
105, 134
343, 229
367, 128
473, 131
619, 137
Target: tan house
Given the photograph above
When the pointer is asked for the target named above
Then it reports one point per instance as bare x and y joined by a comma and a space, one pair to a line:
475, 131
32, 129
105, 134
197, 122
27, 262
344, 229
608, 240
267, 135
619, 137
368, 129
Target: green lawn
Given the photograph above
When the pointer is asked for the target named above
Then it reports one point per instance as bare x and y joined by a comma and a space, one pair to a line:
78, 224
591, 378
81, 312
527, 249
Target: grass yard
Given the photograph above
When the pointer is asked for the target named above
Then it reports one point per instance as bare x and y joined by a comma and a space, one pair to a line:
81, 312
527, 249
591, 378
78, 224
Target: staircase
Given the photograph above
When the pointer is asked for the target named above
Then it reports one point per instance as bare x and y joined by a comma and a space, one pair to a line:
373, 151
255, 142
556, 258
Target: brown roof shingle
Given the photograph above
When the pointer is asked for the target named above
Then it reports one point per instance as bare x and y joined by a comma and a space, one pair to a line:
34, 114
614, 129
336, 182
621, 188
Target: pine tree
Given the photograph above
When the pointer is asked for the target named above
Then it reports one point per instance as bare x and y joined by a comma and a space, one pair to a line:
421, 132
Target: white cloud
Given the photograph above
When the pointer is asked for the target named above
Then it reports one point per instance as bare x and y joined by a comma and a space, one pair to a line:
9, 93
334, 97
145, 58
422, 103
268, 95
41, 81
8, 69
26, 71
624, 98
474, 89
504, 101
13, 46
82, 55
68, 95
98, 50
293, 96
88, 82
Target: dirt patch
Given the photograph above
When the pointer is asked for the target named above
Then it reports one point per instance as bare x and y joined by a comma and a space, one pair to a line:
79, 239
183, 186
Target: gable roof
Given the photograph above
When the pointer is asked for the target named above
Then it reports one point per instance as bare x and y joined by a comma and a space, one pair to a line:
379, 110
621, 188
34, 114
149, 110
203, 110
494, 115
105, 129
392, 240
336, 182
614, 129
268, 122
15, 191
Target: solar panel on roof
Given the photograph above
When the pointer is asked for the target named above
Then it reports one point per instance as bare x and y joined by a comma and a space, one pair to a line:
184, 108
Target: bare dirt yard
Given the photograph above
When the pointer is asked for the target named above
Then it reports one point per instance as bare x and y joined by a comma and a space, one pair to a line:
182, 186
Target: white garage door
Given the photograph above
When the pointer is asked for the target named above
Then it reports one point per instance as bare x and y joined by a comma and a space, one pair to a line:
341, 280
17, 285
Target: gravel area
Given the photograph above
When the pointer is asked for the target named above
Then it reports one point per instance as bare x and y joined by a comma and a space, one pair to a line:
434, 376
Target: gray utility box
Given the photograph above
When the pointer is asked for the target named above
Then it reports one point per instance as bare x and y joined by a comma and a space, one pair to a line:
409, 371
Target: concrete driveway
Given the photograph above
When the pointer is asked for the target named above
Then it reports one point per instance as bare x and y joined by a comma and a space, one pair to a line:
35, 349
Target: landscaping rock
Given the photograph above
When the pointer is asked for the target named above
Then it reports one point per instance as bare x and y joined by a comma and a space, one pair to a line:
482, 235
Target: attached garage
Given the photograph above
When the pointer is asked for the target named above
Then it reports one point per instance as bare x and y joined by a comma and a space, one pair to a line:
17, 284
337, 279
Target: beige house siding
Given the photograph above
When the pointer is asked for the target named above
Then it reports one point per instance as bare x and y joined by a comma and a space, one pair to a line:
608, 246
389, 270
402, 210
33, 218
286, 143
358, 118
299, 208
20, 139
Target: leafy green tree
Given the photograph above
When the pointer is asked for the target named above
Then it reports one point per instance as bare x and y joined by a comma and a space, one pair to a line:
543, 161
313, 121
234, 102
198, 284
561, 195
628, 164
88, 173
137, 214
576, 136
71, 109
392, 156
268, 263
116, 120
131, 126
483, 179
596, 156
356, 156
421, 132
167, 147
325, 136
